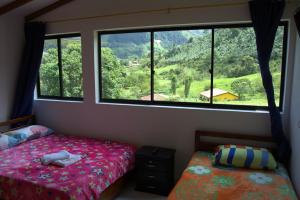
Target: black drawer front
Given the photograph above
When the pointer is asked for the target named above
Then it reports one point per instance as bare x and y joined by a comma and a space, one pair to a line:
157, 189
151, 177
151, 164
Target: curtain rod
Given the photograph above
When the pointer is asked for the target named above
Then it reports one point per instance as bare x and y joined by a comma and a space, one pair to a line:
160, 10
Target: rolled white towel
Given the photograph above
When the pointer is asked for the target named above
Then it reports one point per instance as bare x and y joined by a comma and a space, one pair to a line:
49, 158
65, 162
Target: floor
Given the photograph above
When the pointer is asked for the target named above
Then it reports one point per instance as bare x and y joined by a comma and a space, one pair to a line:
129, 193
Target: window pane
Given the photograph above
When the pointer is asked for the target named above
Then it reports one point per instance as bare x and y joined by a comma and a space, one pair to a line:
49, 73
276, 63
237, 78
125, 62
71, 67
182, 60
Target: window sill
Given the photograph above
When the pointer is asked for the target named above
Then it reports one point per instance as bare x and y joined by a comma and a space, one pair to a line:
184, 108
59, 100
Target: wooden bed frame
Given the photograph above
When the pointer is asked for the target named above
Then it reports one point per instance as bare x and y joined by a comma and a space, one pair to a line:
17, 123
208, 141
108, 194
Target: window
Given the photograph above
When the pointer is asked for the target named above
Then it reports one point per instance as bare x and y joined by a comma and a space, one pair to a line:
60, 75
126, 66
211, 66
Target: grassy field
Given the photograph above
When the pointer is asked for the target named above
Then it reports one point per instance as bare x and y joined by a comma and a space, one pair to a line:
162, 85
256, 98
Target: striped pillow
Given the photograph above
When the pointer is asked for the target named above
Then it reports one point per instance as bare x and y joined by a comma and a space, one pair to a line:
244, 156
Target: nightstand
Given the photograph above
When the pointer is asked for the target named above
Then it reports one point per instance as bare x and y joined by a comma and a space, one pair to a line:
155, 169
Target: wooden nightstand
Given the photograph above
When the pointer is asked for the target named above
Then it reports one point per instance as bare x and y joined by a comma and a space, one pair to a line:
155, 169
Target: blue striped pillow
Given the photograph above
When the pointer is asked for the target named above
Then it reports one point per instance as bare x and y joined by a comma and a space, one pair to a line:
244, 156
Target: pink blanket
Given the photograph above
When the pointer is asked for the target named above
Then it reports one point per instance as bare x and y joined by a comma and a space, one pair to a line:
22, 176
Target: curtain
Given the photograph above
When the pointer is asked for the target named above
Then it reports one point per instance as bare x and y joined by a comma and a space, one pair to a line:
297, 20
29, 69
266, 15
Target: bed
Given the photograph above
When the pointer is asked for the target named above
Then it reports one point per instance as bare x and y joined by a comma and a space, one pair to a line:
201, 180
97, 176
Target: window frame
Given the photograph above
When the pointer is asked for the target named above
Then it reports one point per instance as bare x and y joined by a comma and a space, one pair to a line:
210, 104
60, 68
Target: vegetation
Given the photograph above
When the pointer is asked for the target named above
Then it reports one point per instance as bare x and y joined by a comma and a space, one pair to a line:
71, 69
182, 63
241, 87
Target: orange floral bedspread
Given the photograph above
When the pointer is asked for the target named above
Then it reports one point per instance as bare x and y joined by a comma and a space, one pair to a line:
202, 181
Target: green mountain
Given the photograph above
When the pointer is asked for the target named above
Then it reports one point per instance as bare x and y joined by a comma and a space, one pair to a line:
127, 45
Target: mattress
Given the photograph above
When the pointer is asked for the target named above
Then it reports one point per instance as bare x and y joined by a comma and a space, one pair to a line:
200, 180
22, 176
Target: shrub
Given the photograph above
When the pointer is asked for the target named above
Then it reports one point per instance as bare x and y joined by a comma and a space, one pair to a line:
241, 87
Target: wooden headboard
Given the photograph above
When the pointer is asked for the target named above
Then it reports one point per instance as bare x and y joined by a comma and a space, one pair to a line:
207, 141
17, 123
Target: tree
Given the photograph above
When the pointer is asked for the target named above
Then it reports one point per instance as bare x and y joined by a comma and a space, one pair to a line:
173, 84
241, 87
49, 74
137, 83
187, 77
172, 75
187, 86
112, 76
71, 69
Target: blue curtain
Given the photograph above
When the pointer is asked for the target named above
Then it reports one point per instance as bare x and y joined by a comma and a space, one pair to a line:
29, 69
266, 15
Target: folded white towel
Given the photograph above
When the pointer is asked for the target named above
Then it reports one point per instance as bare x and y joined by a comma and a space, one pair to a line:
49, 158
66, 162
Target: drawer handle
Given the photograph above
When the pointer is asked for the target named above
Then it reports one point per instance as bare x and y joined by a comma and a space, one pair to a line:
151, 166
150, 176
151, 187
150, 161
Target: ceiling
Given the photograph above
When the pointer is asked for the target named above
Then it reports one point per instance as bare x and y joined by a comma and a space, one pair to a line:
35, 5
3, 2
28, 8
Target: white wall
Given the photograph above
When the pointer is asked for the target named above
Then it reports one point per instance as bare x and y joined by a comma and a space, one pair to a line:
11, 45
162, 126
295, 121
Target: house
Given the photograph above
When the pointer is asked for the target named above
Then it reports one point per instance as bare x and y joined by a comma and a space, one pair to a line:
218, 95
78, 81
134, 63
157, 97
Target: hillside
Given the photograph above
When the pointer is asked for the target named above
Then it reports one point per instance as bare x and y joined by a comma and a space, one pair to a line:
137, 44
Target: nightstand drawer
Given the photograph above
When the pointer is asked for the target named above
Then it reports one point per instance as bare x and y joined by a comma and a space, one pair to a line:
151, 177
152, 164
157, 189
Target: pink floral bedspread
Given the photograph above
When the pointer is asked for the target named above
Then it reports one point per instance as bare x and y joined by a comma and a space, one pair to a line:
23, 177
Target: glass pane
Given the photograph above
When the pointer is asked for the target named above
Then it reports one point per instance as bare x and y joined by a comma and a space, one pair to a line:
125, 62
71, 67
237, 79
49, 72
276, 63
182, 60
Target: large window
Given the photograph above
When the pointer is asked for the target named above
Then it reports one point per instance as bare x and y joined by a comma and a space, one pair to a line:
60, 75
211, 66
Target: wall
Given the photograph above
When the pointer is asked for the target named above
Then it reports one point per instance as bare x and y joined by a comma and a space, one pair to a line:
295, 122
151, 125
11, 40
